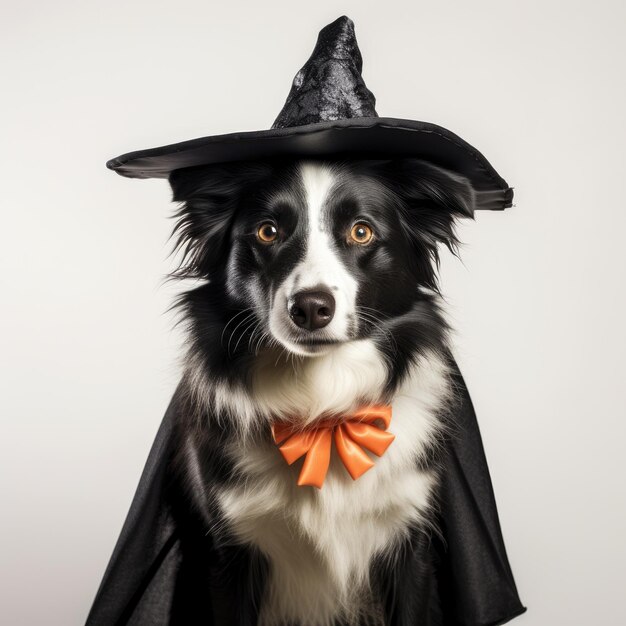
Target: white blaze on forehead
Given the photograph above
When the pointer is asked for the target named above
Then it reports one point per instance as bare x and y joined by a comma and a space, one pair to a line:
321, 267
317, 181
322, 264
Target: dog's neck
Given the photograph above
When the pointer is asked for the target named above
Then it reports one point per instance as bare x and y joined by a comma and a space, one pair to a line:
298, 389
309, 387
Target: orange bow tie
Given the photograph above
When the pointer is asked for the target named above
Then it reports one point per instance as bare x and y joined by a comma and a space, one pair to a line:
351, 435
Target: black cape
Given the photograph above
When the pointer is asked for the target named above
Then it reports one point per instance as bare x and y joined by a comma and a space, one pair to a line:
165, 569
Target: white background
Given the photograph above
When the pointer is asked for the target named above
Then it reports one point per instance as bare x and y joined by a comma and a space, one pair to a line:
88, 353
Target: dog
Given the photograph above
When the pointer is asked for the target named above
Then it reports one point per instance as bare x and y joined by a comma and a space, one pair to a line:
317, 293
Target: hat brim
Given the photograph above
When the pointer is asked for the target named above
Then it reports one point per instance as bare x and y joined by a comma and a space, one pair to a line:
365, 137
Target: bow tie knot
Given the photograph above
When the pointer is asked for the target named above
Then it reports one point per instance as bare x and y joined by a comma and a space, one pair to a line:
352, 435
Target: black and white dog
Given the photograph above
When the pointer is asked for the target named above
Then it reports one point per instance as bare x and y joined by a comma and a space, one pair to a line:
318, 294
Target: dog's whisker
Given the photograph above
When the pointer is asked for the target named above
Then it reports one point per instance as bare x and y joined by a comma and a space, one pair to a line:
372, 313
256, 339
243, 321
265, 337
262, 336
369, 308
371, 319
244, 331
253, 344
268, 339
231, 320
295, 368
378, 326
252, 335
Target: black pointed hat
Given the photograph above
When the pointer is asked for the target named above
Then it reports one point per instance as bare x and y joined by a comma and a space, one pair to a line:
329, 112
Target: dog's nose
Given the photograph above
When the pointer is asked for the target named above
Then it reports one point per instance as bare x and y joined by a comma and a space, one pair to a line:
312, 309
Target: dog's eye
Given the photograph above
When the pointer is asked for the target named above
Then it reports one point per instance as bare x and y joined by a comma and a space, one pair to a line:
267, 232
361, 233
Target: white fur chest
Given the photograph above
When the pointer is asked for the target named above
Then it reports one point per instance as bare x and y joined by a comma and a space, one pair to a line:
320, 543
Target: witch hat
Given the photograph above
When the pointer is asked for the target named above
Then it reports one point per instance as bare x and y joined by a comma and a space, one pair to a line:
329, 112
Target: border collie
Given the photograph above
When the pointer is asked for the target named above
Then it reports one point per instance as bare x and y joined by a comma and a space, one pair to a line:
317, 295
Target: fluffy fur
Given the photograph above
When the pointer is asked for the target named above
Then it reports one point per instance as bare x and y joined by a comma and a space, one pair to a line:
330, 555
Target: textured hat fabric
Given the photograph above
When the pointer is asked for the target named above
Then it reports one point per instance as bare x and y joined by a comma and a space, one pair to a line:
329, 112
329, 86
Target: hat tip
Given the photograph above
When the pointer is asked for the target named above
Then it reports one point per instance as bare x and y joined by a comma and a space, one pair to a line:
343, 22
329, 86
344, 19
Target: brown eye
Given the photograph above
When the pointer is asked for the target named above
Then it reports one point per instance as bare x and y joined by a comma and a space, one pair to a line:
361, 233
267, 233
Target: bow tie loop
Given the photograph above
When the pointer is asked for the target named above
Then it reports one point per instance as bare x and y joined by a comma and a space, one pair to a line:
352, 437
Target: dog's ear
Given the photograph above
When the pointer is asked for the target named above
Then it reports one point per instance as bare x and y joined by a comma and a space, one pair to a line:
432, 198
429, 200
209, 197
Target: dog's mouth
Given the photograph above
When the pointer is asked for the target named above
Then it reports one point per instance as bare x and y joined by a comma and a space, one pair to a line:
308, 346
316, 342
